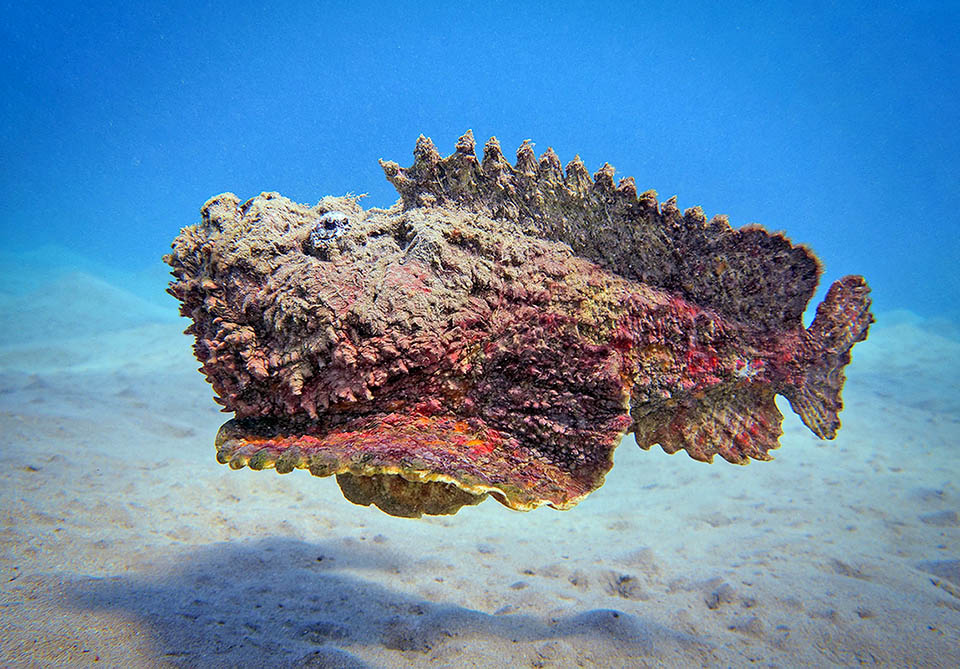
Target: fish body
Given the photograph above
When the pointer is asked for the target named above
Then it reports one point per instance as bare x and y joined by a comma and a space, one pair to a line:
499, 330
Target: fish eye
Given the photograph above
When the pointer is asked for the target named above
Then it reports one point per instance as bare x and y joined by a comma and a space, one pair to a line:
334, 219
327, 228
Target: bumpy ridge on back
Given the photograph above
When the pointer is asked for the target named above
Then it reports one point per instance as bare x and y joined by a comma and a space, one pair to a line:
748, 274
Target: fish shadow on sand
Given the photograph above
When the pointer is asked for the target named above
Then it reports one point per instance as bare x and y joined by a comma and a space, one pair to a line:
283, 602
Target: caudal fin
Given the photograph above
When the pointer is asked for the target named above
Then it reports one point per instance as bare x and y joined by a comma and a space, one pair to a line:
843, 319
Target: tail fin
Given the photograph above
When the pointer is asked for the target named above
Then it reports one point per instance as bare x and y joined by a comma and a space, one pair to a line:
842, 320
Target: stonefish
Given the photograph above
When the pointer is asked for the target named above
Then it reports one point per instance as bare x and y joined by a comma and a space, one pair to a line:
500, 329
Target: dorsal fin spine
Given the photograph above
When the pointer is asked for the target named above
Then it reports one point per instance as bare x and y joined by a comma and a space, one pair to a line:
549, 170
577, 178
603, 179
526, 159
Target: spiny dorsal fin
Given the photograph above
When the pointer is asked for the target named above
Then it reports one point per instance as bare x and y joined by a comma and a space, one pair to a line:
749, 274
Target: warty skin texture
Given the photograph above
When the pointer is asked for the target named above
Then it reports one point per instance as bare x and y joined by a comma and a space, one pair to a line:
477, 338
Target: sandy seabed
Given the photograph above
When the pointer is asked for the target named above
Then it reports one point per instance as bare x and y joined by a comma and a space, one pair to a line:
124, 544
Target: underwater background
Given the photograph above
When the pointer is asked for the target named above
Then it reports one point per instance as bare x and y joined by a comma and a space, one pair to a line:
124, 541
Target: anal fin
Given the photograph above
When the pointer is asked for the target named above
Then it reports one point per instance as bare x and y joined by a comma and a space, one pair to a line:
737, 424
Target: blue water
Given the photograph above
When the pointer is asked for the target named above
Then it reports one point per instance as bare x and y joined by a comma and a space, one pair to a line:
120, 535
836, 124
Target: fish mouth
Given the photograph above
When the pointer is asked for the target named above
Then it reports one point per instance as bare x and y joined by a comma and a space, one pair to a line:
407, 464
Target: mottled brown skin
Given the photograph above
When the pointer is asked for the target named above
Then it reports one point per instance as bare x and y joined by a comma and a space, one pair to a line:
499, 330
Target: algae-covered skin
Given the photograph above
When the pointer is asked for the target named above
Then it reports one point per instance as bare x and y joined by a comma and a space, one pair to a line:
500, 329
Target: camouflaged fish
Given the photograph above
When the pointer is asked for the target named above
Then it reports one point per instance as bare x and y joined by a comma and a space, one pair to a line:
500, 329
